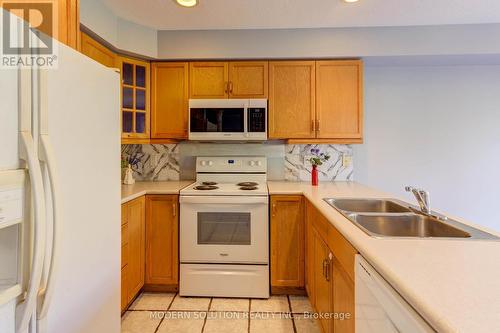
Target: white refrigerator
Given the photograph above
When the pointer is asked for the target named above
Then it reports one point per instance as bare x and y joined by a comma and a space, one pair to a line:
60, 197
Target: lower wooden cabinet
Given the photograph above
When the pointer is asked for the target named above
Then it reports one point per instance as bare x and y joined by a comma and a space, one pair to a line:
133, 243
162, 239
287, 243
329, 272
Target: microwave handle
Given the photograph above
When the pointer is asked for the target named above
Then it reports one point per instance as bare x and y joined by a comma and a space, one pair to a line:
245, 119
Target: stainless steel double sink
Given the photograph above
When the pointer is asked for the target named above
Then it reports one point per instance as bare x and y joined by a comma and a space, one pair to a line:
394, 218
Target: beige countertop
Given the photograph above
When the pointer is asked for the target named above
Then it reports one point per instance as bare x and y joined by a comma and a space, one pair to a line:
453, 284
130, 192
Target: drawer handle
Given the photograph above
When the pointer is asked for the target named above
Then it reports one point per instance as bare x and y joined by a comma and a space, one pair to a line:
223, 254
174, 209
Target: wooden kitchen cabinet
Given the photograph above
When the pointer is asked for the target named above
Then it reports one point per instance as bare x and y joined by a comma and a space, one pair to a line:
95, 50
234, 79
162, 239
248, 79
68, 20
169, 100
339, 96
323, 283
316, 101
292, 99
287, 243
133, 243
135, 98
329, 272
208, 79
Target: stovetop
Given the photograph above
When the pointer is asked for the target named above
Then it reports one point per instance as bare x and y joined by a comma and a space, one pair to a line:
223, 188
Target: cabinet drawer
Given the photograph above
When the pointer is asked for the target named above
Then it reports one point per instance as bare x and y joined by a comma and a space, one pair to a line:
125, 234
124, 214
343, 251
124, 289
124, 255
322, 226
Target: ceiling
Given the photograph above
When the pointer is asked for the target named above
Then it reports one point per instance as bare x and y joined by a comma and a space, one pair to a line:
269, 14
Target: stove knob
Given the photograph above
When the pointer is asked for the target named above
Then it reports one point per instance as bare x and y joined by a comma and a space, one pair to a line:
203, 163
259, 163
252, 163
210, 163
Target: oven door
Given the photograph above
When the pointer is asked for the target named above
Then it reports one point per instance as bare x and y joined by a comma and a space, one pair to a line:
224, 229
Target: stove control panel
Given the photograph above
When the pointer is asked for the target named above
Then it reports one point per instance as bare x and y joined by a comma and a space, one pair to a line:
255, 164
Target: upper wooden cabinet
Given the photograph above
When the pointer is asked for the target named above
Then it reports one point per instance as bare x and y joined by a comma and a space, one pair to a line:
236, 79
134, 100
339, 107
292, 99
248, 79
69, 22
162, 240
97, 51
287, 242
169, 100
208, 79
316, 101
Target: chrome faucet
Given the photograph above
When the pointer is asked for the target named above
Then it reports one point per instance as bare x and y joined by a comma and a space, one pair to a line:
423, 198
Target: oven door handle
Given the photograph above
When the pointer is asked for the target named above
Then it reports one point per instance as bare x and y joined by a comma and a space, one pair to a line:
226, 200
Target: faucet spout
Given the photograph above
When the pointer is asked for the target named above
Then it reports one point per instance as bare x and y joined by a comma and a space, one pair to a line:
423, 198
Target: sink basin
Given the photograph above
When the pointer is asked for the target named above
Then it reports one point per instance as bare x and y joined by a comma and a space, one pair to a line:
367, 205
406, 225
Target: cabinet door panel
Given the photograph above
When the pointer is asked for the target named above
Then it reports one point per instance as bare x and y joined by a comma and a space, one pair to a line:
339, 109
124, 289
162, 234
287, 241
170, 93
309, 263
291, 99
322, 282
248, 79
208, 79
343, 299
136, 246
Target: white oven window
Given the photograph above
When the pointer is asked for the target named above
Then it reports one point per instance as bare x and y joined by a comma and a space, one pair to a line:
221, 228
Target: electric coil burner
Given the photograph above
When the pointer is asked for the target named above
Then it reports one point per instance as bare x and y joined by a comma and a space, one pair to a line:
224, 229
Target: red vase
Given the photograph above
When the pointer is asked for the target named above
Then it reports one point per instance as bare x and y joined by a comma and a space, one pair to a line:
314, 175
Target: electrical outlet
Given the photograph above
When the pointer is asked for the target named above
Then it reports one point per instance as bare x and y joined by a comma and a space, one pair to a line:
346, 160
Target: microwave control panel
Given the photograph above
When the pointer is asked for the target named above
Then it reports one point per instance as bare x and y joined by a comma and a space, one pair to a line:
256, 119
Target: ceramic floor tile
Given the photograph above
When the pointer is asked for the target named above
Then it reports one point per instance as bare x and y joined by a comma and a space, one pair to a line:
274, 325
190, 303
152, 301
273, 304
230, 304
300, 304
139, 322
226, 322
307, 325
185, 322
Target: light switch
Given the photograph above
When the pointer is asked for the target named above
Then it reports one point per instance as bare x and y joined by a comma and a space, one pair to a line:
346, 160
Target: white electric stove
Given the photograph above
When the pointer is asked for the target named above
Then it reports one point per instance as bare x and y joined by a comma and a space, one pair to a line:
224, 229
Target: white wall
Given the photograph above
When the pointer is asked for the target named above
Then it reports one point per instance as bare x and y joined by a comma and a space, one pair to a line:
120, 33
438, 128
473, 39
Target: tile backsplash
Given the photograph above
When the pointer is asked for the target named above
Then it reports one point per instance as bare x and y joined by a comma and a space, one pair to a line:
160, 162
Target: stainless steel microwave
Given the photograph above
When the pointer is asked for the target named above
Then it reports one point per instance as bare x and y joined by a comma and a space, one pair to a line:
227, 119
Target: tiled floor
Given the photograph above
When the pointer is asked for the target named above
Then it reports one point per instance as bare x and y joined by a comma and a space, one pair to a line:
170, 313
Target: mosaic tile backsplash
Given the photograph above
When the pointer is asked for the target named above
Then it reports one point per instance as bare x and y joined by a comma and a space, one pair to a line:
161, 162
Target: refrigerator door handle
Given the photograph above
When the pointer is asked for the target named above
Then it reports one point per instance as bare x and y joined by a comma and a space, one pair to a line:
46, 155
26, 307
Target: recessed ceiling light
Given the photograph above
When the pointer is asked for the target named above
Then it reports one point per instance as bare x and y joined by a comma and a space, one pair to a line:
350, 1
187, 3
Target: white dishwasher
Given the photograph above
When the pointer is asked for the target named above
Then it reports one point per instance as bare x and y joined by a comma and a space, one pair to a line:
379, 308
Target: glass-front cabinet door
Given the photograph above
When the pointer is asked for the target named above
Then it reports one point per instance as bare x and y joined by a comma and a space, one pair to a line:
134, 100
